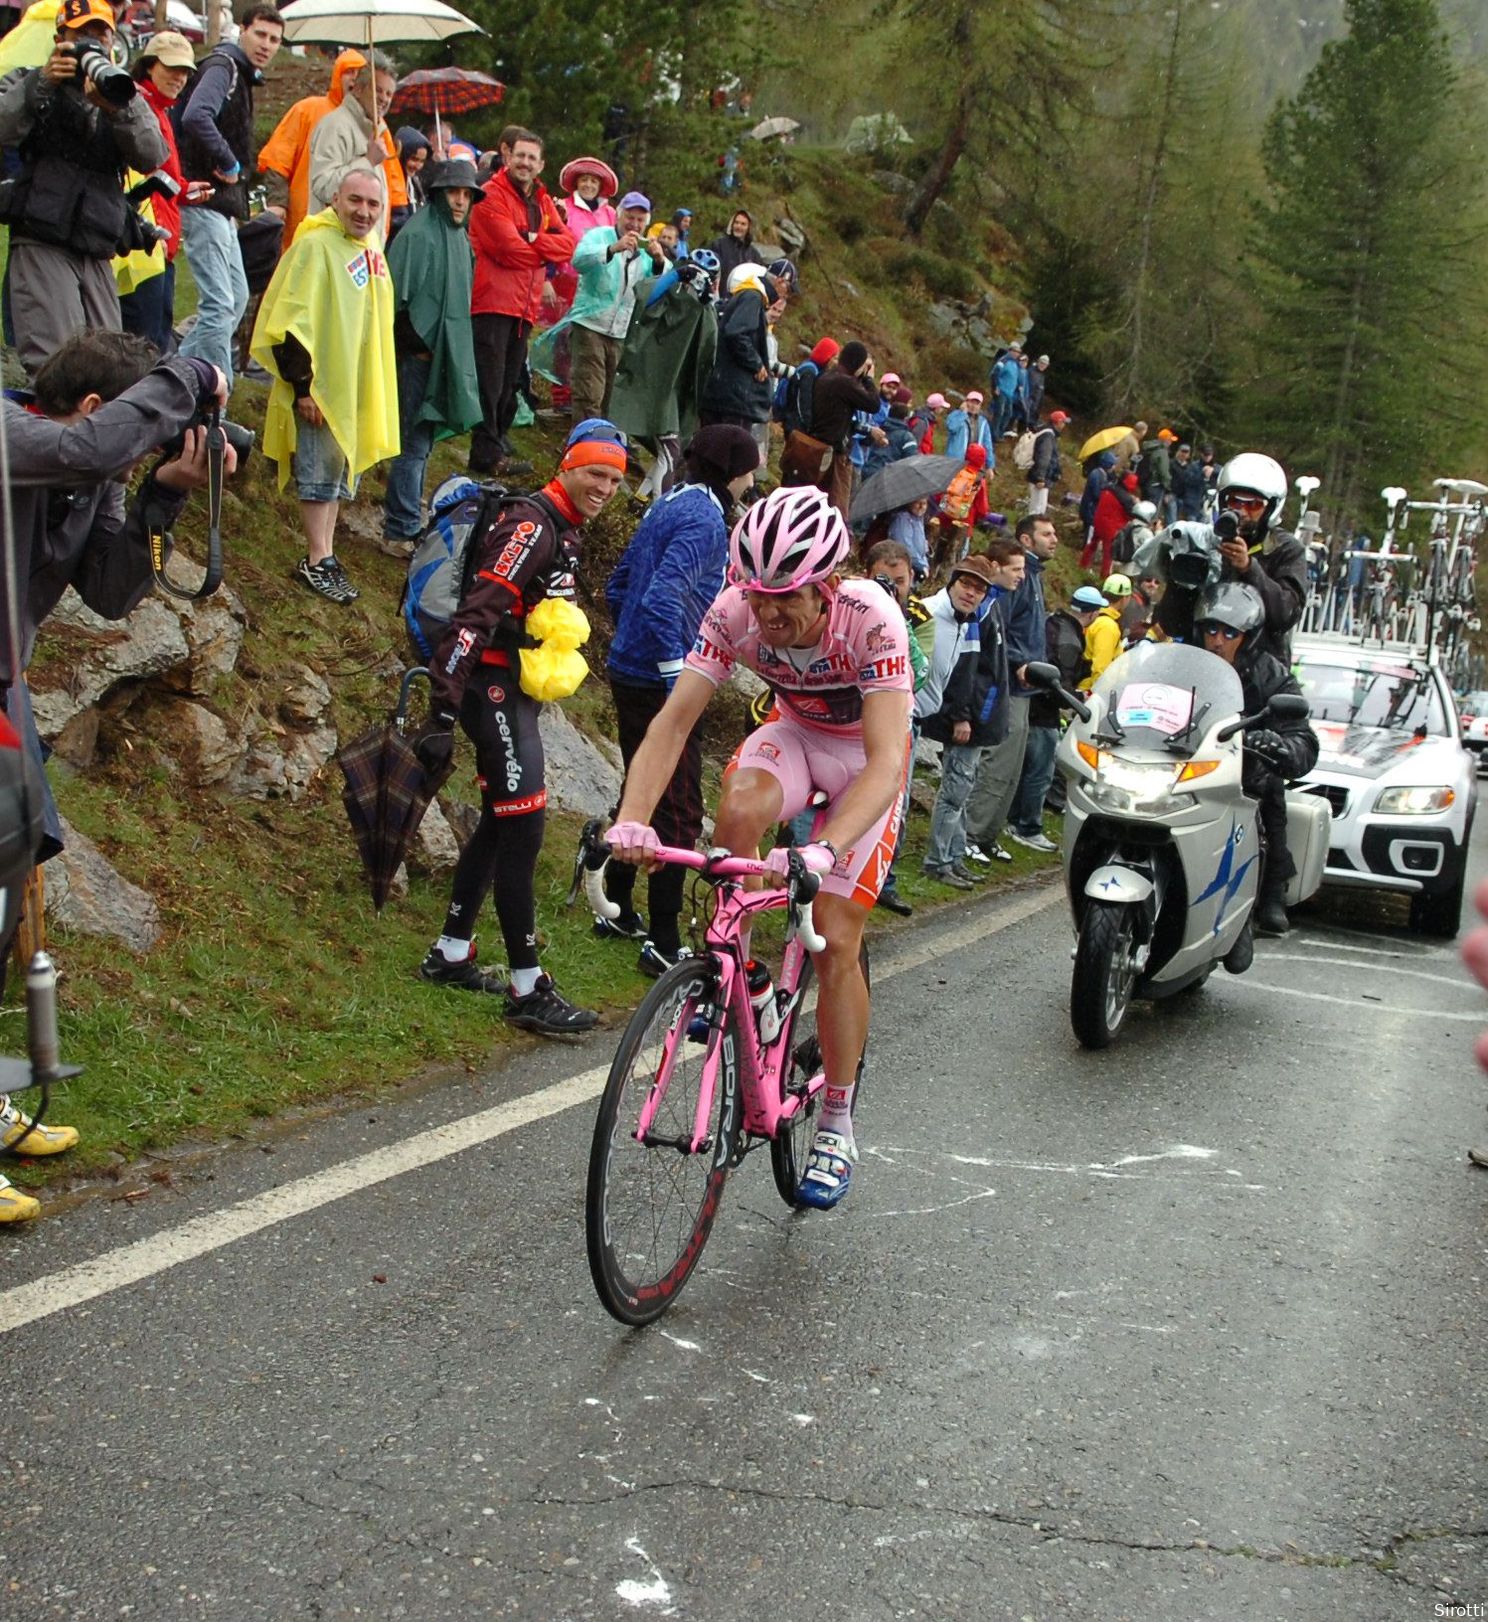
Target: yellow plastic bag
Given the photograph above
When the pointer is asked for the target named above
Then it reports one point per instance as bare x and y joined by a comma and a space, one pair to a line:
555, 668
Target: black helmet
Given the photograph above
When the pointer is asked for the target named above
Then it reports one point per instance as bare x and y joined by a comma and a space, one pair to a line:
1235, 605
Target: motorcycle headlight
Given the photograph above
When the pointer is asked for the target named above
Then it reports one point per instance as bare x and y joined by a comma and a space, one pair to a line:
1415, 801
1130, 785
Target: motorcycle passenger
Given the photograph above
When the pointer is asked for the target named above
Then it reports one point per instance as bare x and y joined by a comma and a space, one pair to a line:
1268, 559
1230, 619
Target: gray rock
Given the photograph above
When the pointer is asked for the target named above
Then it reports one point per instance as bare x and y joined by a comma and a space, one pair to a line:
944, 318
148, 643
83, 892
891, 180
204, 747
579, 777
279, 764
435, 844
305, 699
792, 237
213, 630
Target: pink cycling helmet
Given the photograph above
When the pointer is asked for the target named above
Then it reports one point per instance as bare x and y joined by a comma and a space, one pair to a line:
794, 537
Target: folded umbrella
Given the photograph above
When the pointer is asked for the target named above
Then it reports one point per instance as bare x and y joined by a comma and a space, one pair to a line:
387, 792
1102, 441
902, 482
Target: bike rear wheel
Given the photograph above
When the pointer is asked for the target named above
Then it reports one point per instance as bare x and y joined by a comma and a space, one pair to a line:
791, 1146
649, 1207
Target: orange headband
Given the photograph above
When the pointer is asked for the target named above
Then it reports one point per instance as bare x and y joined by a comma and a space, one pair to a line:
593, 453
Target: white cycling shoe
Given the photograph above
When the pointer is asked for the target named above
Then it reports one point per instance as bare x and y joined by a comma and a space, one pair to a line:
828, 1173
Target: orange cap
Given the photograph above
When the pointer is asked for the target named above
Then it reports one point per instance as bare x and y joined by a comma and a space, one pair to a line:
1168, 435
74, 13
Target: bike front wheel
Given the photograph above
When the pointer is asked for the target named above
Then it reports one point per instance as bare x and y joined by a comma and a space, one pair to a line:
791, 1146
651, 1199
1105, 973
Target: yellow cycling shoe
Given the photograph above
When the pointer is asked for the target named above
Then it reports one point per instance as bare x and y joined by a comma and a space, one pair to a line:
16, 1206
15, 1126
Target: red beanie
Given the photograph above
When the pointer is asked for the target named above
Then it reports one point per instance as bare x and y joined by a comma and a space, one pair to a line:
827, 350
976, 456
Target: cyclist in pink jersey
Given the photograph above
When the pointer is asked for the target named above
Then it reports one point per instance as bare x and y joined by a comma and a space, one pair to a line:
836, 655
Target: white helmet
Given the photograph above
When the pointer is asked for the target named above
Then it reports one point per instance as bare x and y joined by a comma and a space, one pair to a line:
741, 275
1252, 473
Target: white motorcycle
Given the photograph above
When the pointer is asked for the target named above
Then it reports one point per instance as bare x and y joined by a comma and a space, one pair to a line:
1162, 847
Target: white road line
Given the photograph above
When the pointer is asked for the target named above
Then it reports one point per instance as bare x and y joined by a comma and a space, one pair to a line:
129, 1264
1327, 945
1460, 981
1358, 1004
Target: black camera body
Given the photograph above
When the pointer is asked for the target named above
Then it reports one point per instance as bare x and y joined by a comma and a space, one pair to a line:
96, 68
240, 438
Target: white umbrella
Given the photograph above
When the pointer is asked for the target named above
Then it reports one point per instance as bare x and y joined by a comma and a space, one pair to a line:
367, 23
358, 22
774, 126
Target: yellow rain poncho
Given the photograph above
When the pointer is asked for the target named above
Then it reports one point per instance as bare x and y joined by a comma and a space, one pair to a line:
29, 43
332, 291
555, 667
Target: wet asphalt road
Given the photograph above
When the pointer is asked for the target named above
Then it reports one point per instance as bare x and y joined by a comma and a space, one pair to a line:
1193, 1328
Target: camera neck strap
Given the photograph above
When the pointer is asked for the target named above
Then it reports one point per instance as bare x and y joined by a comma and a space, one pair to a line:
162, 542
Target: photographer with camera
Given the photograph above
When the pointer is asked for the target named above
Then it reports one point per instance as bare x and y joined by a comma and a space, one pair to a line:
78, 125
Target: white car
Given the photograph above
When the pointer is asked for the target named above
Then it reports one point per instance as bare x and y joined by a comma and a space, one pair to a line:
1473, 711
1392, 766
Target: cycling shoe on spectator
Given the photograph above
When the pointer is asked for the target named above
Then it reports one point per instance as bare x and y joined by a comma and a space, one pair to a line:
629, 926
439, 971
16, 1206
546, 1012
15, 1126
828, 1171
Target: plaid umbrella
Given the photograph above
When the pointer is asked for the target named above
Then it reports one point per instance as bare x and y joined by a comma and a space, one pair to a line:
387, 792
449, 92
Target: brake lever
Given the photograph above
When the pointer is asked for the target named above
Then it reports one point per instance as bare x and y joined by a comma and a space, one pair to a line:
589, 842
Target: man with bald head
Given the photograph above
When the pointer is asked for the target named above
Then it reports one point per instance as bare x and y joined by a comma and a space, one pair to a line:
325, 332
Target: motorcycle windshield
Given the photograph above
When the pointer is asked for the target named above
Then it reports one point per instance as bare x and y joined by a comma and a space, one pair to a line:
1166, 696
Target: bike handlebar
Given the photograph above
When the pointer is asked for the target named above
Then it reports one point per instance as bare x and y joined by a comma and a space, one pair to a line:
802, 883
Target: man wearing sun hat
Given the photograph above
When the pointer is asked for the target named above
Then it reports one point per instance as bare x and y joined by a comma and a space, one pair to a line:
612, 261
66, 208
530, 552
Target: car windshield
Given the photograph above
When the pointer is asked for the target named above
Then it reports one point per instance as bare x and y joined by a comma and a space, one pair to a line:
1384, 692
1473, 704
1167, 695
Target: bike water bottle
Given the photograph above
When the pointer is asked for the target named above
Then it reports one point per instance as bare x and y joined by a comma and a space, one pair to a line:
761, 994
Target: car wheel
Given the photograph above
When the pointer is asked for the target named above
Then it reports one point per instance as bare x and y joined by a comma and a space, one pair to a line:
1439, 913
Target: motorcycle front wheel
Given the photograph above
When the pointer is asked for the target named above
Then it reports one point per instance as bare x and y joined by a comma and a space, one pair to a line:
1105, 973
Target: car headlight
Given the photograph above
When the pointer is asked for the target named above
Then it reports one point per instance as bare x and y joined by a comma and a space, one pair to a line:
1415, 801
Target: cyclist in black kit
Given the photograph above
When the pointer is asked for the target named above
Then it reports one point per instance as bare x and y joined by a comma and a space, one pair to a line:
530, 552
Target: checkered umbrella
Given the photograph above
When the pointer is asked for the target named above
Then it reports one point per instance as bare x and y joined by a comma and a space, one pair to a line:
387, 792
444, 93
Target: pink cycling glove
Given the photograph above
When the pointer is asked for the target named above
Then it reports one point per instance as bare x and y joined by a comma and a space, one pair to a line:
819, 859
634, 840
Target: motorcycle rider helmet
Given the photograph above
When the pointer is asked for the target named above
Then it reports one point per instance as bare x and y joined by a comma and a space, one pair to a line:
1253, 477
1232, 604
795, 537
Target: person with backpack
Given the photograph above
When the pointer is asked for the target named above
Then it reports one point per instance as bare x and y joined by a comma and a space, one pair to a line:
65, 207
1112, 511
962, 506
214, 128
432, 266
838, 398
658, 593
1037, 453
1154, 469
521, 554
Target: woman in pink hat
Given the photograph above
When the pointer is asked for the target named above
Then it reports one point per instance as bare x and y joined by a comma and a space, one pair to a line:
588, 186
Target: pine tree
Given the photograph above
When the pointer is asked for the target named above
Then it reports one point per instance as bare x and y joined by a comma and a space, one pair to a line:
1369, 261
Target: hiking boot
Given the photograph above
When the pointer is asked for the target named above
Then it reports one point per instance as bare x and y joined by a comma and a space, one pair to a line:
398, 546
654, 962
439, 971
326, 579
949, 875
16, 1206
17, 1132
547, 1013
1038, 841
1270, 917
1242, 954
514, 467
828, 1171
891, 901
629, 926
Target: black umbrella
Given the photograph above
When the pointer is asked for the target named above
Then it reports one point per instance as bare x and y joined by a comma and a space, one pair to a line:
902, 482
387, 792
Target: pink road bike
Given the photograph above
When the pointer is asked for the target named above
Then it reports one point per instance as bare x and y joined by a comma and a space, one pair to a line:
700, 1078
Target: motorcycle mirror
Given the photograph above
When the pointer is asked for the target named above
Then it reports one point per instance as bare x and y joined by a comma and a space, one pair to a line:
1392, 495
1288, 707
1306, 483
1041, 675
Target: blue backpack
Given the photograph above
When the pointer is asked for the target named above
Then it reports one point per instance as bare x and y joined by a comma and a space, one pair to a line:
439, 570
